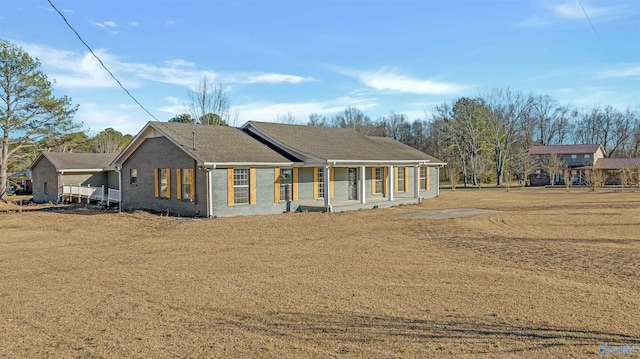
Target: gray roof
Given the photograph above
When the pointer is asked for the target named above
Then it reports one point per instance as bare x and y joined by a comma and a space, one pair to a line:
77, 161
340, 144
218, 144
617, 163
564, 149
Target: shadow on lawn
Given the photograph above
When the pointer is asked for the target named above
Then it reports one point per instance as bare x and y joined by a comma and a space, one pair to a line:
360, 328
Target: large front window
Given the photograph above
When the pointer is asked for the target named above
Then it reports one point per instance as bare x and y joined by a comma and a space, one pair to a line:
241, 186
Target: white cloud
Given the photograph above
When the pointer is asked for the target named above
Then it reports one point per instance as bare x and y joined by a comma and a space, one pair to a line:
76, 70
104, 24
386, 79
624, 70
269, 112
271, 78
574, 10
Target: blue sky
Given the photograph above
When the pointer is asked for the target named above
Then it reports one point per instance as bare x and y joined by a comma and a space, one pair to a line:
307, 56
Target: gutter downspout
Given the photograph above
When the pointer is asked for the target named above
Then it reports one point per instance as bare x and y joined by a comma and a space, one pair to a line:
119, 171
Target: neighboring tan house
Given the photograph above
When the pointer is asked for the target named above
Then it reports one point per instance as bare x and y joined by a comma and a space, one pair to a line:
217, 171
54, 174
578, 163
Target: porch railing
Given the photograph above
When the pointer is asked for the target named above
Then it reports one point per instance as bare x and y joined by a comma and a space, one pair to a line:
79, 192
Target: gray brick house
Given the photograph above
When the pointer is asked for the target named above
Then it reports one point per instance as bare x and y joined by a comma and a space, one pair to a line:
263, 168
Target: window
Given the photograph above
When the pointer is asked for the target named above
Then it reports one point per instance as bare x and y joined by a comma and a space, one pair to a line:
400, 179
587, 156
241, 186
320, 183
163, 179
46, 190
286, 175
423, 178
379, 181
133, 176
574, 158
186, 184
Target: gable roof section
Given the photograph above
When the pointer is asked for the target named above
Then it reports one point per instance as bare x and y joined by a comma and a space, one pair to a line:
564, 149
617, 163
76, 162
316, 144
214, 145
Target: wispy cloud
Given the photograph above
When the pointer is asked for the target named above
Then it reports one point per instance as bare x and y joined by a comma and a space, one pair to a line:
623, 70
574, 10
261, 111
73, 69
554, 11
386, 79
104, 24
272, 78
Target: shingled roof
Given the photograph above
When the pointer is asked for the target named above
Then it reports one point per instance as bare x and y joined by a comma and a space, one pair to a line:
564, 149
335, 144
213, 144
66, 161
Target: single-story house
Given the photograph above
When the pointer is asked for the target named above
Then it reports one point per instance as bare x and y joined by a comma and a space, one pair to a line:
578, 164
262, 168
56, 174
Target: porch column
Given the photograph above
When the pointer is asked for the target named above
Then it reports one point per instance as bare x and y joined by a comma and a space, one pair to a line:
363, 184
416, 182
437, 180
390, 184
327, 188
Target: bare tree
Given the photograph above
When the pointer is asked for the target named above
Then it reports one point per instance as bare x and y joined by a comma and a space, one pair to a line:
287, 118
208, 103
554, 165
509, 114
596, 179
317, 120
552, 121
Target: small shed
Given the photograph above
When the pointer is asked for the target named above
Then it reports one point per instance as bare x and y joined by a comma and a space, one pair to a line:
55, 173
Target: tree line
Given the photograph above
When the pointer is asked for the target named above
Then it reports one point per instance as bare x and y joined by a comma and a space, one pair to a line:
484, 139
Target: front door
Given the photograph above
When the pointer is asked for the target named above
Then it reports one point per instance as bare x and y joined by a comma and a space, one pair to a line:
353, 183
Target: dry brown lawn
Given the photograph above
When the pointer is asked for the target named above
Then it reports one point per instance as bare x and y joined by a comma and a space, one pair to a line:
551, 274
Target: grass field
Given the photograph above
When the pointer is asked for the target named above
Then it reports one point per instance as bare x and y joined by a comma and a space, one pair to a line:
549, 274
